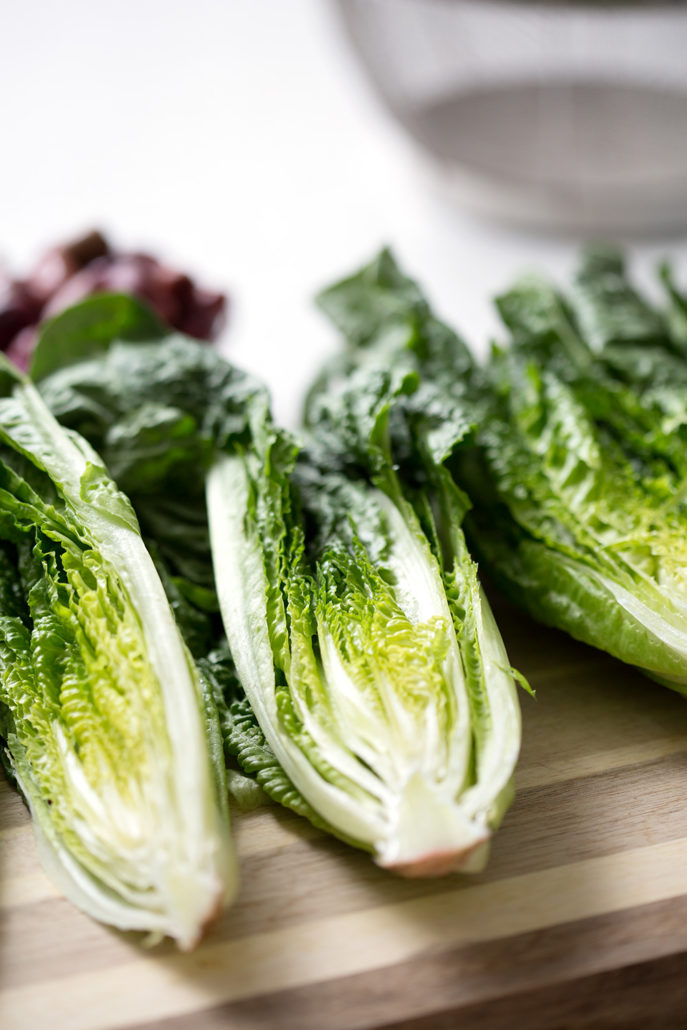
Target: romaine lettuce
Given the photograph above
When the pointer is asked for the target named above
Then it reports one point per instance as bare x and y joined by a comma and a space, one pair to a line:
580, 516
353, 611
109, 731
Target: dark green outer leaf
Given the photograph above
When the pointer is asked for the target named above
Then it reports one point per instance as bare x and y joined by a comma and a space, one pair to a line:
89, 327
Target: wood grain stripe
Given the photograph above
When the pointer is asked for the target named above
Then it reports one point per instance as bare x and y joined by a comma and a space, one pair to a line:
376, 938
560, 770
449, 988
13, 812
28, 889
651, 995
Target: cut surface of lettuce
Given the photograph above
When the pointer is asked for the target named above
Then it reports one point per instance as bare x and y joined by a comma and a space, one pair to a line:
103, 717
356, 621
581, 511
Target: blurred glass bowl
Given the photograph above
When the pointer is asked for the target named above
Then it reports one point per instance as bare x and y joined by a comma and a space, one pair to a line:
555, 115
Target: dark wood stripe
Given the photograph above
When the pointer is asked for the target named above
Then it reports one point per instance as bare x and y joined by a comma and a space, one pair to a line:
650, 995
13, 811
546, 980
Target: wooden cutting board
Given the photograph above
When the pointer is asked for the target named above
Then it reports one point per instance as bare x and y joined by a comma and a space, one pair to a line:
579, 921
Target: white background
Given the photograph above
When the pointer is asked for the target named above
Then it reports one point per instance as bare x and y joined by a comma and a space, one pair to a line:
237, 138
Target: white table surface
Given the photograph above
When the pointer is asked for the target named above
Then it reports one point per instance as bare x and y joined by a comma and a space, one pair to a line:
238, 138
